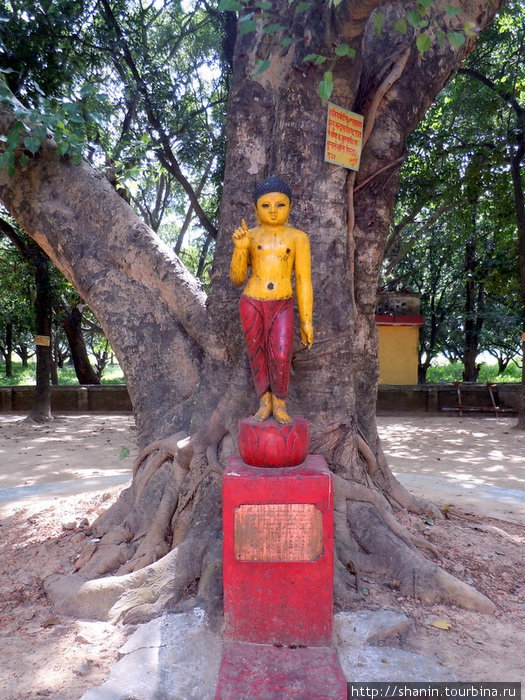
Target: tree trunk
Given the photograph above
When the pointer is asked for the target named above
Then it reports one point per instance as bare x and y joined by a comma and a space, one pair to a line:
72, 325
23, 353
41, 408
183, 354
474, 296
8, 355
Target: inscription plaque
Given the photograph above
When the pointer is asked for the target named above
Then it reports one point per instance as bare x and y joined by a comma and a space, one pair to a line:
278, 532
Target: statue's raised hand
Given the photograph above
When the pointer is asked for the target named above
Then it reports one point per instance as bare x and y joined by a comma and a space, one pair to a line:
241, 236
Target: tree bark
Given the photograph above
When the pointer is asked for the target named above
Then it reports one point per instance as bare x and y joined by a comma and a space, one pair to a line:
183, 354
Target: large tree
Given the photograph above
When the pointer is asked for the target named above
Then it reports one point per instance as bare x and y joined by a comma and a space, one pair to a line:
181, 350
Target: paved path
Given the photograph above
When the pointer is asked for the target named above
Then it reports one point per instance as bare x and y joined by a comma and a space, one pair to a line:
474, 463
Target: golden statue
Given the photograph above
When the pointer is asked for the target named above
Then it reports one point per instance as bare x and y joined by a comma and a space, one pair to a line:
273, 250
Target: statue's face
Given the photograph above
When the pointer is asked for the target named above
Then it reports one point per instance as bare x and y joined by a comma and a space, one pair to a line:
273, 209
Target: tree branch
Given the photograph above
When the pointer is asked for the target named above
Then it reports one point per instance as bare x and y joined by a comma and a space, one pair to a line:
503, 94
417, 235
168, 158
15, 239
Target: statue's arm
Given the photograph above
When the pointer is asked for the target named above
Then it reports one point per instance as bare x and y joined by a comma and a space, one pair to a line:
241, 255
303, 287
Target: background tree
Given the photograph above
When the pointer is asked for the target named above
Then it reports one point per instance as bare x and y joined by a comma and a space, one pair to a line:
182, 351
16, 317
40, 264
465, 147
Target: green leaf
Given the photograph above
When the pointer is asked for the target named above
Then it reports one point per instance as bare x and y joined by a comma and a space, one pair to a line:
273, 28
286, 42
124, 452
229, 6
86, 90
13, 137
413, 19
5, 91
247, 26
40, 131
344, 50
23, 160
319, 60
452, 10
264, 5
310, 57
32, 143
379, 22
456, 39
62, 148
423, 43
260, 67
469, 28
400, 26
302, 7
326, 86
7, 158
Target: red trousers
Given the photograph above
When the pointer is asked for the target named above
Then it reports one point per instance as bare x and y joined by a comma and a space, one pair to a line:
268, 329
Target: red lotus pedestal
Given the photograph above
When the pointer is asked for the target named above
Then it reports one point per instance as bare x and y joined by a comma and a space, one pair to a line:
269, 444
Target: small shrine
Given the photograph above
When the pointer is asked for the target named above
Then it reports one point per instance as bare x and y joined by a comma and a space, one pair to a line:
398, 321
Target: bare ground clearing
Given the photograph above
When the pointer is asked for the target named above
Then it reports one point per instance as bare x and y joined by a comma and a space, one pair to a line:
54, 478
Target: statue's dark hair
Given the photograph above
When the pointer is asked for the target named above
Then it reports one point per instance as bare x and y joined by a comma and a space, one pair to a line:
271, 184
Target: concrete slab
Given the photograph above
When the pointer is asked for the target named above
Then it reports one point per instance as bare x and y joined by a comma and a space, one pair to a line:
173, 657
177, 657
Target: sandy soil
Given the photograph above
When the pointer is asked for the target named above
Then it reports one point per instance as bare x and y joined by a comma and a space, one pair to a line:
55, 479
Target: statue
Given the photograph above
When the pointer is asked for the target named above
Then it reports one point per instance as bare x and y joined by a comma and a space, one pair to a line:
273, 250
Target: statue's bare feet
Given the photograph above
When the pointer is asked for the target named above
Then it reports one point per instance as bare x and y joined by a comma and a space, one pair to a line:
279, 411
265, 408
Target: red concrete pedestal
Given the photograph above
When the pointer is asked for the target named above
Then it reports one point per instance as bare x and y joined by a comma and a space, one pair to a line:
278, 576
278, 553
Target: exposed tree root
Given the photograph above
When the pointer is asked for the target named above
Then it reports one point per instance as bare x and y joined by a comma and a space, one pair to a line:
375, 546
143, 594
162, 541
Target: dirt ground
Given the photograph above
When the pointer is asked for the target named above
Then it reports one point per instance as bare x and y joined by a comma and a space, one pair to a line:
55, 479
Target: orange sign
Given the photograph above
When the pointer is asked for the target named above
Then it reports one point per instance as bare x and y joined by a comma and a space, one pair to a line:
344, 137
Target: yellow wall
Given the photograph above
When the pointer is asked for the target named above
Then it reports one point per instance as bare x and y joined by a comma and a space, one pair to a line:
398, 354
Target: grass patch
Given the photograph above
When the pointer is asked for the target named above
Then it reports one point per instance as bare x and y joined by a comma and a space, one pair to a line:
453, 372
26, 376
